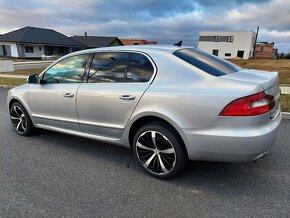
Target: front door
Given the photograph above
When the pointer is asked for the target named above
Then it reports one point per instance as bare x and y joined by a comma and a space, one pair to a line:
215, 52
116, 83
53, 102
240, 54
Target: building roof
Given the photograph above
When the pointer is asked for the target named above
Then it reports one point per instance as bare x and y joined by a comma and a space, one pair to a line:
35, 35
96, 41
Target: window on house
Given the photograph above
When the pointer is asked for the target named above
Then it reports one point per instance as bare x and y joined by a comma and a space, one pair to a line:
39, 48
228, 54
29, 49
261, 49
230, 38
136, 43
215, 52
217, 38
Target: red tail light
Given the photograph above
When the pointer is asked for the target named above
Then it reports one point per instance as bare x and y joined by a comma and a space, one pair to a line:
251, 105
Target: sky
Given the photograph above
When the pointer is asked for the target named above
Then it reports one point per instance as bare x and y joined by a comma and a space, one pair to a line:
166, 21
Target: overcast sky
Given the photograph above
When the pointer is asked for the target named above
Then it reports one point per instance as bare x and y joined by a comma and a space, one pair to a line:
166, 21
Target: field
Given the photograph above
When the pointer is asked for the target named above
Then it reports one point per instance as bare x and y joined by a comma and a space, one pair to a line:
282, 66
26, 72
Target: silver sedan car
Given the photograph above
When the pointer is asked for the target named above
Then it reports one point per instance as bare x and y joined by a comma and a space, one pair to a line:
167, 103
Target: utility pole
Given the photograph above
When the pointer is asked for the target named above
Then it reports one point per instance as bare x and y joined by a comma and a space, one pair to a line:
254, 50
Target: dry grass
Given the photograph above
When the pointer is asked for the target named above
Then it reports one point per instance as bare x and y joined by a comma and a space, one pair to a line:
26, 72
285, 103
282, 66
12, 81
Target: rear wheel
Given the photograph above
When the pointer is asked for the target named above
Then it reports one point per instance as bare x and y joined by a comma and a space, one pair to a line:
20, 119
159, 150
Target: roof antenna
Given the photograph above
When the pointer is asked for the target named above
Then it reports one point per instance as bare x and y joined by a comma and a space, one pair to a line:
178, 44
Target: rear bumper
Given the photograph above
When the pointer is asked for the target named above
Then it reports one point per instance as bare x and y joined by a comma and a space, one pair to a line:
233, 139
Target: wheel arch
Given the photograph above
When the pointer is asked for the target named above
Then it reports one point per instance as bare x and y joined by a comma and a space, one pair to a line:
143, 120
15, 99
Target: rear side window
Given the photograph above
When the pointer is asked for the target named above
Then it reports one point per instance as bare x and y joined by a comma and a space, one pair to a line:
108, 67
206, 62
140, 69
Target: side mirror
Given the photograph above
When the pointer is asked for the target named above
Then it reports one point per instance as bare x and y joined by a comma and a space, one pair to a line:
33, 79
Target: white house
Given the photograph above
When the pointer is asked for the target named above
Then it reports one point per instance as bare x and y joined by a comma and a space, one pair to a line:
33, 42
228, 44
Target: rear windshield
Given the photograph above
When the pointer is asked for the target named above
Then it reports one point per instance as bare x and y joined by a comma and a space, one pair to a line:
206, 62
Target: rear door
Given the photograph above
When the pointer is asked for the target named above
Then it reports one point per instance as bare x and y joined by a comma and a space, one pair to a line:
115, 84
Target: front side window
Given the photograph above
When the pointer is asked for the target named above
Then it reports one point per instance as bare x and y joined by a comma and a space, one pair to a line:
69, 70
108, 67
140, 69
206, 62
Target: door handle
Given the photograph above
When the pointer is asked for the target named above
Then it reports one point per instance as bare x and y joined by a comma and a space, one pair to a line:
68, 95
127, 97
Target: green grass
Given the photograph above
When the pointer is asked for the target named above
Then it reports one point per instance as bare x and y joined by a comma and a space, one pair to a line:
12, 81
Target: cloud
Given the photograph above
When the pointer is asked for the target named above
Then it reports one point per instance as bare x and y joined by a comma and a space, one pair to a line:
166, 21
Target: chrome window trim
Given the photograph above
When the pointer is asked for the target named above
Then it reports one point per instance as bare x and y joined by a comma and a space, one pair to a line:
129, 52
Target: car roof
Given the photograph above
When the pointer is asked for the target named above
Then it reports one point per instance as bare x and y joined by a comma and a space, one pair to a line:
139, 48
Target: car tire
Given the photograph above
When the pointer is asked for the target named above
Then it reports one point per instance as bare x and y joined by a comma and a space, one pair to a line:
20, 119
159, 150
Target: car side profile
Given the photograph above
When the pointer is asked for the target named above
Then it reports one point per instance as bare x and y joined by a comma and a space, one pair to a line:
167, 103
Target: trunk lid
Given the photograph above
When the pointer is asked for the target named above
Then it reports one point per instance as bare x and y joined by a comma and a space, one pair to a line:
268, 80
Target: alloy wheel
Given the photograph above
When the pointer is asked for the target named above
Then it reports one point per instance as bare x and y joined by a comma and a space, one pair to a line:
155, 152
18, 119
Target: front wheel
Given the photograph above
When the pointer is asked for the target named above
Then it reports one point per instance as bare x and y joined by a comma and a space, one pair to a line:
20, 119
159, 150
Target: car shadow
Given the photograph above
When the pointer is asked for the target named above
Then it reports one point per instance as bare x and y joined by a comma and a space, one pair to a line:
198, 176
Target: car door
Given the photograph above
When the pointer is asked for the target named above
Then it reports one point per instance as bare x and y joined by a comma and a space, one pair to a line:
53, 100
116, 83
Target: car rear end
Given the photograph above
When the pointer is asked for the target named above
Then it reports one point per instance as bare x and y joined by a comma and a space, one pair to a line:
246, 127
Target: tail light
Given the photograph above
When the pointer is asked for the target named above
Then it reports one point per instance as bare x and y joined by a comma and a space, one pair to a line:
251, 105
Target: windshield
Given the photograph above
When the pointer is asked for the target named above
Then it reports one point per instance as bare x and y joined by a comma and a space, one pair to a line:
206, 62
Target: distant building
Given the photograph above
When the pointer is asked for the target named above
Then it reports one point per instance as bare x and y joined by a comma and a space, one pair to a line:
33, 42
265, 50
228, 44
137, 42
97, 41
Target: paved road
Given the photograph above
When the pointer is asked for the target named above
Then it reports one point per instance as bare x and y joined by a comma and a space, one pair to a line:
13, 76
55, 175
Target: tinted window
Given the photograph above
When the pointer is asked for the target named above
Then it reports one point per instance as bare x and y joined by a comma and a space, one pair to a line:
206, 62
108, 67
140, 69
69, 70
